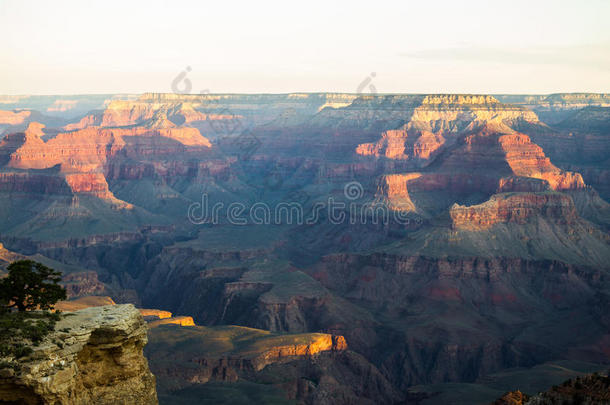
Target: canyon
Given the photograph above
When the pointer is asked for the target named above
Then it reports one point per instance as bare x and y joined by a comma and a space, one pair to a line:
470, 236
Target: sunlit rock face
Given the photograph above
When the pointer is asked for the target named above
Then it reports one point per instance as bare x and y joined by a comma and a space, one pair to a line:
515, 208
94, 356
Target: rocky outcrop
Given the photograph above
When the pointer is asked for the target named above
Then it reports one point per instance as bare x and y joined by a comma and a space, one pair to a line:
573, 101
322, 343
512, 398
175, 320
491, 159
436, 123
399, 144
154, 317
7, 256
309, 368
83, 302
33, 183
404, 192
555, 108
502, 152
93, 356
14, 117
120, 113
528, 159
81, 158
518, 184
94, 184
453, 112
514, 208
225, 352
91, 147
155, 313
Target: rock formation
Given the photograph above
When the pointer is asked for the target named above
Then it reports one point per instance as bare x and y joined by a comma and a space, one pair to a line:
93, 356
304, 367
175, 320
83, 302
516, 208
7, 256
155, 313
14, 117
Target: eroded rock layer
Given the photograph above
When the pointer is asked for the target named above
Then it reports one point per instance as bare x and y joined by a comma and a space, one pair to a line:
515, 208
93, 356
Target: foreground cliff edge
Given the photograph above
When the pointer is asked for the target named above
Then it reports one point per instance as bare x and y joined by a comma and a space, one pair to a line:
95, 355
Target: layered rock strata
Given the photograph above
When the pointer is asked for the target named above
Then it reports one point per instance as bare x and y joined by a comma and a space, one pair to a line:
93, 356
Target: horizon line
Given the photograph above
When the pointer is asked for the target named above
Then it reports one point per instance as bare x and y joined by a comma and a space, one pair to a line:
300, 92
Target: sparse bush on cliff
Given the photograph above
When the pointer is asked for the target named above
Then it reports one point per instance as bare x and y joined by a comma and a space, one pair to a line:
20, 330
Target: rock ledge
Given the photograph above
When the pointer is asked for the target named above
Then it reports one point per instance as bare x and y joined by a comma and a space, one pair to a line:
93, 356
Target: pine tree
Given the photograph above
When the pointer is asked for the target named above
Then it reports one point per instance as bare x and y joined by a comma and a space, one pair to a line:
30, 285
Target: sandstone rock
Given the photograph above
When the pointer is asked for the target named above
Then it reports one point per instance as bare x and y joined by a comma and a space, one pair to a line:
512, 398
83, 302
13, 117
502, 151
516, 208
490, 159
33, 183
228, 353
175, 320
7, 256
308, 368
155, 313
399, 144
522, 184
120, 113
94, 356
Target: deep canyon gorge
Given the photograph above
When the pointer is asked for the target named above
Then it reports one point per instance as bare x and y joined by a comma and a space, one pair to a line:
487, 262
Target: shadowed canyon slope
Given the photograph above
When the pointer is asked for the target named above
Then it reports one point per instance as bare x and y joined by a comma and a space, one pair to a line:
469, 234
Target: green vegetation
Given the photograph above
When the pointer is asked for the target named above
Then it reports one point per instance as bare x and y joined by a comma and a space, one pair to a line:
19, 330
29, 286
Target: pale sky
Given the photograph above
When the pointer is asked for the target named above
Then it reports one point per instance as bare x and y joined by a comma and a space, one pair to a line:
76, 46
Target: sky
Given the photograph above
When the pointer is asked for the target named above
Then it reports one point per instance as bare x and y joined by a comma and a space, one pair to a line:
82, 47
